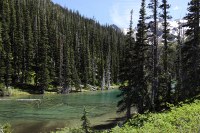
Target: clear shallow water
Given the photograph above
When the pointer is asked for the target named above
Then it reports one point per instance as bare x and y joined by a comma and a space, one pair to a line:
57, 111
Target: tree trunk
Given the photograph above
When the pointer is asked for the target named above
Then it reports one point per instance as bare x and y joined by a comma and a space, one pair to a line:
155, 59
103, 81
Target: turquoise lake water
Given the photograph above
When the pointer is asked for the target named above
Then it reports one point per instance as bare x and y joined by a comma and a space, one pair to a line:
57, 111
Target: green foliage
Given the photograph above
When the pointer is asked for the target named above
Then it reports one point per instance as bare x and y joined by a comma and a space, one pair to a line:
190, 52
153, 5
6, 42
165, 72
135, 93
184, 119
86, 122
1, 55
28, 47
6, 128
53, 45
43, 73
4, 91
127, 73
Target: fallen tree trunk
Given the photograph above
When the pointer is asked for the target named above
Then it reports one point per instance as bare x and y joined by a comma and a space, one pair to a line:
26, 100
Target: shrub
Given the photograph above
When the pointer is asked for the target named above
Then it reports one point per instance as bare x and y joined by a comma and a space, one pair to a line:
6, 128
184, 119
3, 90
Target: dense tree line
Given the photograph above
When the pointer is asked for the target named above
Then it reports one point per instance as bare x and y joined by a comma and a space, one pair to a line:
160, 73
48, 46
44, 44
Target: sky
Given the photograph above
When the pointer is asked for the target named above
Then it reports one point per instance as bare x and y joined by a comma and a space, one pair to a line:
118, 11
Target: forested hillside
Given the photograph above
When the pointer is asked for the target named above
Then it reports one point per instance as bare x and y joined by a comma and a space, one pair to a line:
44, 45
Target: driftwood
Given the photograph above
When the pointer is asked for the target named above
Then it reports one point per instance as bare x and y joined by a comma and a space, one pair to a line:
26, 100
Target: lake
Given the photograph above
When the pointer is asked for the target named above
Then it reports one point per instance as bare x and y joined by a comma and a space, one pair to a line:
58, 111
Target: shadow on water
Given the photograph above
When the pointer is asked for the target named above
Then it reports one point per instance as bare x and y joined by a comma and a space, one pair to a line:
110, 123
39, 127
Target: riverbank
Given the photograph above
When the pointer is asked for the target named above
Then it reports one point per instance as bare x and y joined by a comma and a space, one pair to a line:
16, 92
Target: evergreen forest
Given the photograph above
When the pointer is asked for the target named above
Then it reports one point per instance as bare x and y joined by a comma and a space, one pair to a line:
45, 47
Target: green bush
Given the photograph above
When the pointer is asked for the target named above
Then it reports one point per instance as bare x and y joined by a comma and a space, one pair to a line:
3, 90
184, 119
6, 128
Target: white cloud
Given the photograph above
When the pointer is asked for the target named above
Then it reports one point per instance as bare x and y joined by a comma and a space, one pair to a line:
176, 8
120, 13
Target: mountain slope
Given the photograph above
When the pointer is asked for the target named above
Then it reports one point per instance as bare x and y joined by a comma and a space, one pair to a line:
46, 45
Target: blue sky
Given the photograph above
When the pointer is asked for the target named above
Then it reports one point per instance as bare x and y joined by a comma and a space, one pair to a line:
118, 11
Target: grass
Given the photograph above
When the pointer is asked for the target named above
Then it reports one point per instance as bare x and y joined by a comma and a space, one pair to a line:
11, 91
17, 92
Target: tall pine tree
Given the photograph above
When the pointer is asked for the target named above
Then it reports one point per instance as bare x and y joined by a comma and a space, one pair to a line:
139, 79
28, 36
17, 47
13, 36
190, 52
154, 98
166, 74
127, 90
43, 74
6, 42
1, 53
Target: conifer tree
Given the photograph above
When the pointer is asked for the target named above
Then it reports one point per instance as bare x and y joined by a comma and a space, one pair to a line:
61, 52
108, 67
35, 47
6, 42
13, 36
86, 122
53, 43
125, 104
28, 36
67, 68
179, 65
166, 72
139, 82
43, 75
73, 72
190, 52
87, 57
154, 98
127, 89
17, 48
103, 75
1, 54
93, 54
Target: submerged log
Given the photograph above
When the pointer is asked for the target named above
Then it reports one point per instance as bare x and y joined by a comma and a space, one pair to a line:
26, 100
29, 100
